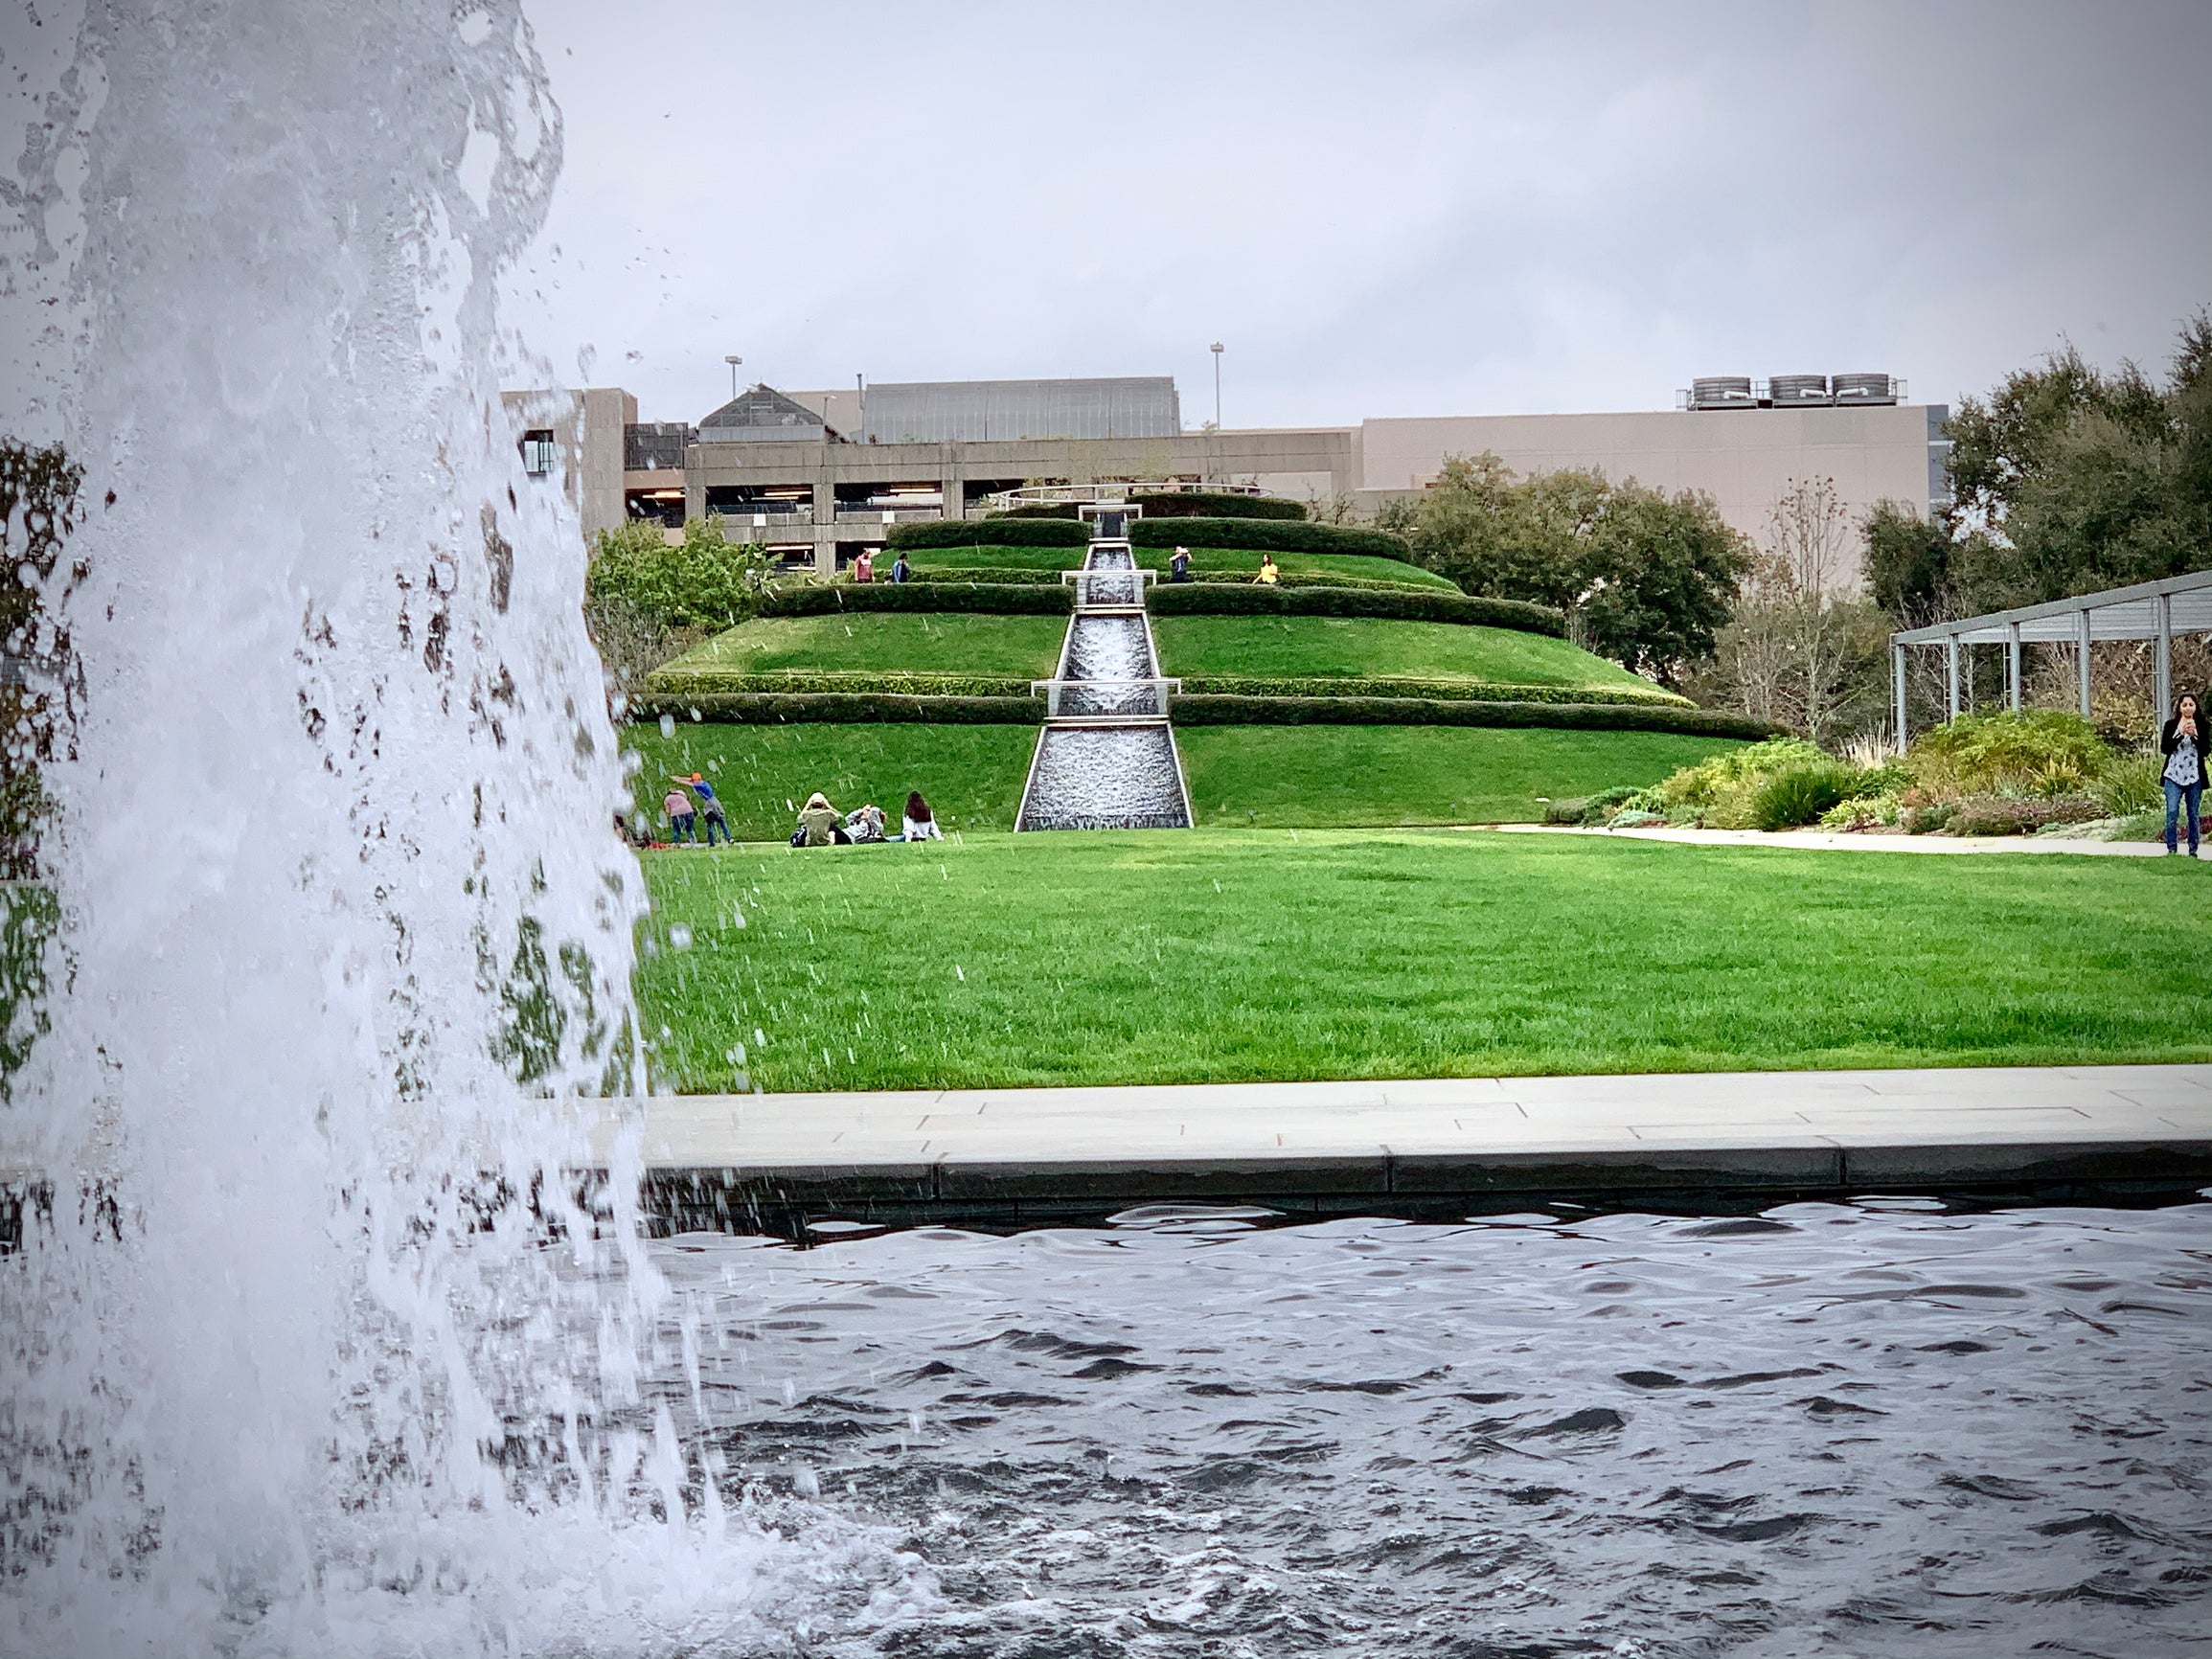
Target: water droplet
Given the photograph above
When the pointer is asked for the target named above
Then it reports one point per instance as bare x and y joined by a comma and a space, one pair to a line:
679, 937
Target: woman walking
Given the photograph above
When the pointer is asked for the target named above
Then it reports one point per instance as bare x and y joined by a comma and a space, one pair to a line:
2182, 743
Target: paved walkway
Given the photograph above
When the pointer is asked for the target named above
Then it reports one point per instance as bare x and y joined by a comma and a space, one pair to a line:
1352, 1143
1859, 843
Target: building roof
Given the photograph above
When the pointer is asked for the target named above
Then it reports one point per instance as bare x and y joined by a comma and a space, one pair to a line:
764, 414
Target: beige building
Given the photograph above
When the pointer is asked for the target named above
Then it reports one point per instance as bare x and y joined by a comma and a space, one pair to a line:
780, 469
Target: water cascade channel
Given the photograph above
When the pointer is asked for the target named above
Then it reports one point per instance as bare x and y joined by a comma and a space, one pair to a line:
1106, 759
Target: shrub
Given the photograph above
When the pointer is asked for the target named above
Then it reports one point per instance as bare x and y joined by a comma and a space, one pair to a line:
1450, 691
1565, 811
1268, 536
882, 682
1719, 791
1214, 504
987, 533
706, 582
1208, 710
1400, 605
1602, 807
1038, 509
1636, 818
985, 575
2018, 815
1799, 796
843, 707
991, 599
1862, 812
2130, 785
2041, 751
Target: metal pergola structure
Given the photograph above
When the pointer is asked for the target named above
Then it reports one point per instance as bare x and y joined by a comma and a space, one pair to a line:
2149, 610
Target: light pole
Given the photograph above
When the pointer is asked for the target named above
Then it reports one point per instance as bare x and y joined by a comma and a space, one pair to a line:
1215, 349
733, 362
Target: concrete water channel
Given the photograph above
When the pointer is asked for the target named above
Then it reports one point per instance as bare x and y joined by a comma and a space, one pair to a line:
1105, 758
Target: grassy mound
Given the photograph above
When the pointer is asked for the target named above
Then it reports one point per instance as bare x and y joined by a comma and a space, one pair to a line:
1272, 774
1205, 561
1237, 955
1017, 646
1365, 648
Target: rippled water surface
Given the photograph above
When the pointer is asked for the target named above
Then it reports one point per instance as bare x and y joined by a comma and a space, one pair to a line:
1871, 1429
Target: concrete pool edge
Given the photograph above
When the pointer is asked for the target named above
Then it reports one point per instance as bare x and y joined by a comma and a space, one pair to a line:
1026, 1157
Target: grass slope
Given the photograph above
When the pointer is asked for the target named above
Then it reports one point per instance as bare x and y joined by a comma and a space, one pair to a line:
1269, 646
971, 775
919, 641
1215, 956
1347, 776
1205, 561
1239, 775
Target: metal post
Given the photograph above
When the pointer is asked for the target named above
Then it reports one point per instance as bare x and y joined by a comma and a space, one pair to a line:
2082, 659
1897, 680
2013, 668
1215, 349
2165, 666
1951, 652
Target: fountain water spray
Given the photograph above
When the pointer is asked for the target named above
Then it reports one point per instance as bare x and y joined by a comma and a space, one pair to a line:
314, 1349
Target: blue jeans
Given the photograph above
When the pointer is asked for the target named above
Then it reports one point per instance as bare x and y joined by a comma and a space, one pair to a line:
2178, 797
716, 821
680, 827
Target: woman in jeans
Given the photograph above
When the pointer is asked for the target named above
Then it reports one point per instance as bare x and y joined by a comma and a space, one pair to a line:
2182, 743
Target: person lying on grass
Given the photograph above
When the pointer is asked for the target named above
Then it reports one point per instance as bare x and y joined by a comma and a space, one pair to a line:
865, 823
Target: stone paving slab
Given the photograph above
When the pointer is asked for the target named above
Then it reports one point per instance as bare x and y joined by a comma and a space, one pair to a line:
1342, 1143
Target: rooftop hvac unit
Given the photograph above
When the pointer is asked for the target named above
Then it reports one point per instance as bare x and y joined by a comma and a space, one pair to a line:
1797, 391
1722, 391
1864, 388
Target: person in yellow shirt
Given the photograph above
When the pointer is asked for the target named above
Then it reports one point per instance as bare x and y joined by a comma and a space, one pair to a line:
1268, 573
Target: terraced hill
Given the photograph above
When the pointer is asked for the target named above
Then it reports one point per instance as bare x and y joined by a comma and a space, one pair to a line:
1363, 691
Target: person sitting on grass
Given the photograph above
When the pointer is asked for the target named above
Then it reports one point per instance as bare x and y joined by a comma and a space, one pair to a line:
1268, 575
920, 824
820, 823
2182, 743
865, 824
711, 806
1179, 566
677, 804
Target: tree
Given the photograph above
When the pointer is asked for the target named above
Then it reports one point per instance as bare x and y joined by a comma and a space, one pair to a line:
1907, 563
1645, 578
645, 601
1803, 648
2066, 479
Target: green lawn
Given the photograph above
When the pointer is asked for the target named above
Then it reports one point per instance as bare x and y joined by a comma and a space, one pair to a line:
1222, 955
1205, 561
1273, 646
1239, 775
971, 774
918, 641
1346, 776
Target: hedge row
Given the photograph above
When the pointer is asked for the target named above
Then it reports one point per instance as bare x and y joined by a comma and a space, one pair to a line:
1268, 536
994, 599
985, 575
841, 708
987, 533
1398, 688
1214, 504
1221, 711
870, 682
1400, 604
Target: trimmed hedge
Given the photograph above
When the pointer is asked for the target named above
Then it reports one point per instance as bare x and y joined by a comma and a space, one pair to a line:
1040, 510
1267, 535
1214, 504
1395, 687
984, 575
987, 533
842, 708
1399, 605
994, 599
1225, 711
805, 682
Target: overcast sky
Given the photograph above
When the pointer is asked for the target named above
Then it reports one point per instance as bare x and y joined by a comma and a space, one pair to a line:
1379, 208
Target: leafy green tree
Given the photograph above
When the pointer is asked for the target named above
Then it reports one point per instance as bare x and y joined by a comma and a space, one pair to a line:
1646, 579
2068, 479
1907, 563
707, 581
